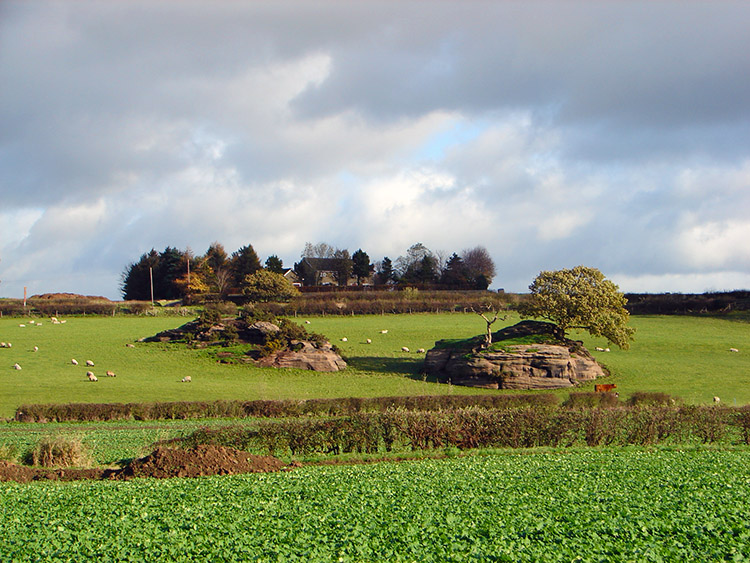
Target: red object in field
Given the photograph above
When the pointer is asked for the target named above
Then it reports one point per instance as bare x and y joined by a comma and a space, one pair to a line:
604, 387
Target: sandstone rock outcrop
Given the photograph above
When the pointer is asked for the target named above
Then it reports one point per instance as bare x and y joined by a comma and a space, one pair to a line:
269, 345
545, 365
321, 358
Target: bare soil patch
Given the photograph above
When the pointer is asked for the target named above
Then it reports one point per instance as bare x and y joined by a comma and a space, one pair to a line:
162, 463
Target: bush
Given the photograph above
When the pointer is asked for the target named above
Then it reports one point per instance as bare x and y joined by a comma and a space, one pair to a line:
59, 451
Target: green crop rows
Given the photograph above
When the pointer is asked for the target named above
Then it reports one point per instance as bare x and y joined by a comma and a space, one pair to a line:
611, 505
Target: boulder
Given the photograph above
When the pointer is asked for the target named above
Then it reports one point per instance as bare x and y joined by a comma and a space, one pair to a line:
305, 356
549, 365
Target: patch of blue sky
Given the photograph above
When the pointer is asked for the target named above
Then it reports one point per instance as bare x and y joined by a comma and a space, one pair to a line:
458, 133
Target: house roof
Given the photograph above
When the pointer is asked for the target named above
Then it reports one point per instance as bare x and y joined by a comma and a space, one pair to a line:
322, 264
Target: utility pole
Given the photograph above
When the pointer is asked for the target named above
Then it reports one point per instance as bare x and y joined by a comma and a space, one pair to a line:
151, 278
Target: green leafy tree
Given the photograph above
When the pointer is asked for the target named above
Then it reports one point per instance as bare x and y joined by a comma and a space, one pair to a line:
343, 266
385, 273
274, 264
244, 261
361, 265
136, 279
265, 286
580, 298
455, 273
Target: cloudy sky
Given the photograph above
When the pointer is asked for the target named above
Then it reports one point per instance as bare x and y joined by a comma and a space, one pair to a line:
610, 134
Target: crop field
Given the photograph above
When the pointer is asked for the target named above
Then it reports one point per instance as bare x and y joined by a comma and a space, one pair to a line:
684, 356
630, 505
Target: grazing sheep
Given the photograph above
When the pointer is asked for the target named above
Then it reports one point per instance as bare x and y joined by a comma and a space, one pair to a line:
89, 363
344, 339
111, 374
16, 366
186, 379
404, 349
74, 362
31, 322
606, 349
36, 348
53, 319
91, 376
129, 345
369, 341
733, 350
2, 345
10, 345
63, 321
307, 322
22, 326
717, 400
599, 349
384, 331
420, 351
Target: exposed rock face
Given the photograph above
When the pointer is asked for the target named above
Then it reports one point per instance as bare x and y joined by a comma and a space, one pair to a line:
521, 366
315, 354
322, 358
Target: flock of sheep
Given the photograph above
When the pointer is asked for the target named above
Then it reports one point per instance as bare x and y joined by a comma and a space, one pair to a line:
89, 363
384, 331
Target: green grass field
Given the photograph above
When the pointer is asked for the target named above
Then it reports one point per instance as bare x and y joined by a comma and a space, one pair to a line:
687, 357
684, 356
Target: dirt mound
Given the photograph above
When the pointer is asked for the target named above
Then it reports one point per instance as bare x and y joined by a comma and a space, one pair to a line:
162, 463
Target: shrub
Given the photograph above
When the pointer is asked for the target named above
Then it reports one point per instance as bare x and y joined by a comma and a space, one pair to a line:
59, 451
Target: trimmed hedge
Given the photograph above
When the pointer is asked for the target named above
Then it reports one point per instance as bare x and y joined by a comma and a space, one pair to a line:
268, 409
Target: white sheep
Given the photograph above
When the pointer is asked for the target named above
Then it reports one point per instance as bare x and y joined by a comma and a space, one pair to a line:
22, 326
74, 362
186, 379
31, 322
717, 400
599, 349
345, 339
369, 341
404, 349
91, 376
420, 351
111, 374
90, 363
307, 322
606, 349
16, 367
129, 345
10, 345
36, 348
53, 319
384, 331
2, 344
733, 350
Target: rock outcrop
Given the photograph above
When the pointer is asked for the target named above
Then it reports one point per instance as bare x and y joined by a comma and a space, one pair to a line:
269, 345
321, 358
550, 364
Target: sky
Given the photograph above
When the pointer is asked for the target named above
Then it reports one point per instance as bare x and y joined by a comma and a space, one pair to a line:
609, 134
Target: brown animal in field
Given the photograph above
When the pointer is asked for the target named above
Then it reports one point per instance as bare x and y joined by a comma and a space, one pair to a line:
604, 387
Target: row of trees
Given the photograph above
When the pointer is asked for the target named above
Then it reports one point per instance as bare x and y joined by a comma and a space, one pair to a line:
472, 269
176, 274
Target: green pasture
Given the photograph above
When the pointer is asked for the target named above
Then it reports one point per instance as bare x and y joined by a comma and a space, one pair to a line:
597, 505
687, 357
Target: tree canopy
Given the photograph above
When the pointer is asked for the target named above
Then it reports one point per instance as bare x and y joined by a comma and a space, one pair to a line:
265, 286
580, 298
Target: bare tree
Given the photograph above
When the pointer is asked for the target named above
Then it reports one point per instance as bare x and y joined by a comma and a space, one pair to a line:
478, 262
488, 335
